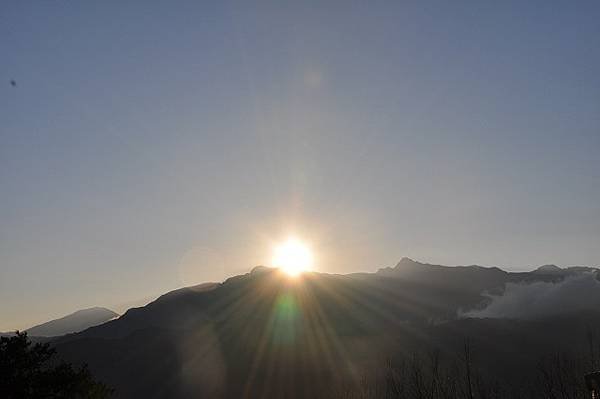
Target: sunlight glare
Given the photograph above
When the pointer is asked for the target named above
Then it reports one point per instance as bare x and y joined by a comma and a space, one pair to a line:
293, 257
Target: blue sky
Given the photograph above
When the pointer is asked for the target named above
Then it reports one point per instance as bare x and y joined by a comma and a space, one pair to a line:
151, 145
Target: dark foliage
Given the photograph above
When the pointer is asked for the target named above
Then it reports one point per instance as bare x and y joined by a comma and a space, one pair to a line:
558, 376
30, 370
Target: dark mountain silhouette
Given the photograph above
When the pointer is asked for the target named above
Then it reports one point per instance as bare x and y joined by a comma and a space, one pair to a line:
264, 335
75, 322
549, 269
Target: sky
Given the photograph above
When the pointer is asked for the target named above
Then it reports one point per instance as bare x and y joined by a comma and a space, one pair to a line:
147, 146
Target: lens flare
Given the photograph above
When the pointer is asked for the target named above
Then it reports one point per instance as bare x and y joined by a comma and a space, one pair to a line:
293, 257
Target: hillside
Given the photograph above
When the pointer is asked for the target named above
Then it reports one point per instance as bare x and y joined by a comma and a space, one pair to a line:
265, 335
74, 322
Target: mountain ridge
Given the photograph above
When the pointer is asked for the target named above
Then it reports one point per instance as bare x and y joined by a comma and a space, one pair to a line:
285, 330
73, 322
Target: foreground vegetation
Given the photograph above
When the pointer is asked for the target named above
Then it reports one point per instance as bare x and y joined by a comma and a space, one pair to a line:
557, 376
30, 370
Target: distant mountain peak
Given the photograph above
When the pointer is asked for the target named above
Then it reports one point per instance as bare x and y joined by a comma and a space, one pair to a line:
407, 261
74, 322
260, 269
549, 269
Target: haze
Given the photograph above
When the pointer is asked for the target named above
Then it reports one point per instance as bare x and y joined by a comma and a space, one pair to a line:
145, 147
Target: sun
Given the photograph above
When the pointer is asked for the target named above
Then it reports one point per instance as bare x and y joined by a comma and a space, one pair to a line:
293, 257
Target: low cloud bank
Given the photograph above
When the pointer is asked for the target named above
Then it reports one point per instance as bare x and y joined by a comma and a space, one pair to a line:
539, 299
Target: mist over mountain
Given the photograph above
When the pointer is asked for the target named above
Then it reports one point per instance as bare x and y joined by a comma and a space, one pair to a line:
576, 292
74, 322
264, 334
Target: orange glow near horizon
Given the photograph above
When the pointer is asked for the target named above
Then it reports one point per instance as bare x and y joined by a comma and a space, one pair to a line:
293, 257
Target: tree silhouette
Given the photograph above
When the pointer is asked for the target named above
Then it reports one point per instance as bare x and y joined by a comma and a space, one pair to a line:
31, 371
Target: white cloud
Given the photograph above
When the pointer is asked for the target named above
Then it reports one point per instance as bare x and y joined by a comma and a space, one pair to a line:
539, 299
